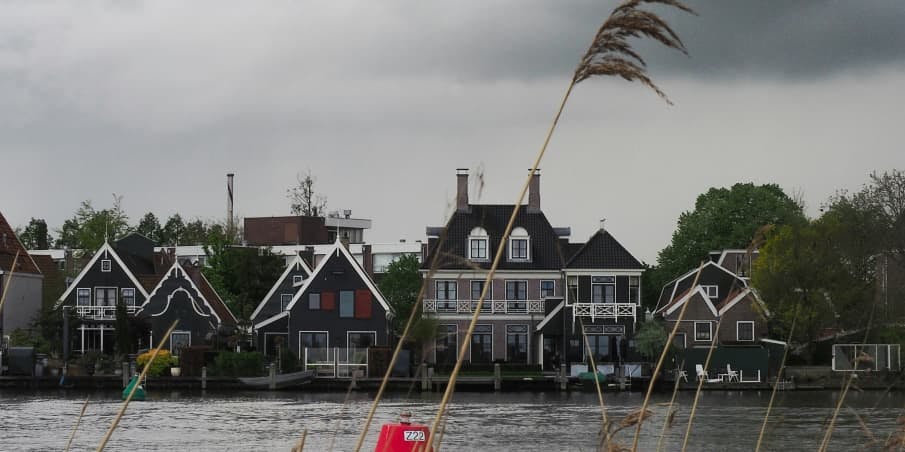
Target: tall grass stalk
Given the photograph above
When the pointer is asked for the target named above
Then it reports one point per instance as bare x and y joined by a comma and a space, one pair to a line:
669, 410
604, 421
663, 353
782, 367
144, 372
697, 393
9, 279
300, 445
78, 421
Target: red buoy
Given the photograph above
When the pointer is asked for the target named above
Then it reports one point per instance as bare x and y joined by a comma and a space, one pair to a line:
403, 437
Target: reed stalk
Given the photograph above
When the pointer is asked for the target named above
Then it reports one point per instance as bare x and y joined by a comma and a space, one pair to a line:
405, 333
666, 346
605, 423
300, 445
697, 393
782, 367
144, 372
75, 427
9, 279
669, 411
829, 430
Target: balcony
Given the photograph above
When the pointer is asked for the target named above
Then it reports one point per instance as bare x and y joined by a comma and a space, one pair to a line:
596, 311
101, 312
489, 307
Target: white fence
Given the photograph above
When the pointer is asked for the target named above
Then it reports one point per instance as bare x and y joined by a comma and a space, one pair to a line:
866, 357
489, 306
336, 362
604, 310
101, 312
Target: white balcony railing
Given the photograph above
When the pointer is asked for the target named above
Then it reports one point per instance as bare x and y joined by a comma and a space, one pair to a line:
101, 312
489, 307
604, 310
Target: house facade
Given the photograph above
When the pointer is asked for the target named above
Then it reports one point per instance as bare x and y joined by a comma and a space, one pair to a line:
23, 282
128, 271
721, 310
542, 280
283, 290
337, 310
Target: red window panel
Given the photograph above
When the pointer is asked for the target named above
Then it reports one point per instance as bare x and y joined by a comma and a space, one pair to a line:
328, 301
362, 304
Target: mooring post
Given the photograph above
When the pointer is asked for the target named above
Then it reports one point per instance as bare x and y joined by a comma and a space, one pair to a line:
126, 375
204, 377
497, 377
563, 382
273, 378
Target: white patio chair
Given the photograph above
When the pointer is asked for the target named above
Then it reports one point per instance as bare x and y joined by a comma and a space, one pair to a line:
730, 374
700, 372
680, 373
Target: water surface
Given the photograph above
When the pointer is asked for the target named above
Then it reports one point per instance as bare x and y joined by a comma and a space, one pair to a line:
252, 421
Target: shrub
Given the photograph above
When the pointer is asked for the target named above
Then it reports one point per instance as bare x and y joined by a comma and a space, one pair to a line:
238, 364
163, 361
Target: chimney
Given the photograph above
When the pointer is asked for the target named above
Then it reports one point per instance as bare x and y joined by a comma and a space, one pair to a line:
603, 224
534, 192
229, 205
367, 260
461, 189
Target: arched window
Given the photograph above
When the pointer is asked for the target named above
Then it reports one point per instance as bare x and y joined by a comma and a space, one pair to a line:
478, 242
519, 245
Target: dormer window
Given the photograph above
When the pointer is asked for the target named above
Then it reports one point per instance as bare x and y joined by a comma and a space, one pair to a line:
518, 245
477, 244
105, 265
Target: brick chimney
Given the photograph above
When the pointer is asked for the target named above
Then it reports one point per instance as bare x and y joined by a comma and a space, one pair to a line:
367, 260
462, 190
534, 193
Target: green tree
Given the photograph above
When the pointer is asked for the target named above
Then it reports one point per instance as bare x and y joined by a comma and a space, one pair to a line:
172, 231
400, 286
242, 276
124, 336
303, 198
650, 339
68, 235
722, 218
149, 226
34, 236
89, 228
194, 233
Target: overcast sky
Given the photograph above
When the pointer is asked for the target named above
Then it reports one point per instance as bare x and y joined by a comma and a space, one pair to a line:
156, 101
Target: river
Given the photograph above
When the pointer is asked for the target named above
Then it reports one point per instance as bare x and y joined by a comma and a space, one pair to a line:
252, 421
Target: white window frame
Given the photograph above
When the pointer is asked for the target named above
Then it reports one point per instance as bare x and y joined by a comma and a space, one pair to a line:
349, 346
520, 233
123, 295
569, 279
709, 329
282, 298
189, 333
711, 291
78, 292
302, 349
638, 298
527, 334
603, 288
456, 325
492, 341
479, 234
446, 301
297, 280
684, 339
540, 287
738, 337
115, 294
106, 265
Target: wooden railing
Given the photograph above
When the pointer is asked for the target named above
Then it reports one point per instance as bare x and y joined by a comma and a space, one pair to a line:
489, 307
604, 310
101, 312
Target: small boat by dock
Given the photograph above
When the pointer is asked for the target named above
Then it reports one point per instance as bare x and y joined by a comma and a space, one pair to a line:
279, 381
139, 392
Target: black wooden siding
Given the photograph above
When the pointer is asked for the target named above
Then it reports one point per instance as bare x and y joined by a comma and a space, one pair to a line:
94, 277
272, 305
161, 310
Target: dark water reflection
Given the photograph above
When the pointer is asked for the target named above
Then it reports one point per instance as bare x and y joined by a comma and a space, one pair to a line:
725, 421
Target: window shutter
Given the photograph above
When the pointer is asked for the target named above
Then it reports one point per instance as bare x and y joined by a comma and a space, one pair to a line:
328, 301
362, 304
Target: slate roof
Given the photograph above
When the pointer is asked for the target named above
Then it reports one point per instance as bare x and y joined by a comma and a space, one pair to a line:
545, 251
602, 250
226, 316
8, 249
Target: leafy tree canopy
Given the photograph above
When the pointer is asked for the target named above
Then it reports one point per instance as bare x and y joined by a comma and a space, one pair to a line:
400, 286
89, 228
722, 218
304, 199
35, 236
242, 276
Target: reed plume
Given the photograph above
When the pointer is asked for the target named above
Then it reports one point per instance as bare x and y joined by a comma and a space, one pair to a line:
608, 54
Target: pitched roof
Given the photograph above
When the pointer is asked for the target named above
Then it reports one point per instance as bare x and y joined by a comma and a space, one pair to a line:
211, 295
602, 250
544, 244
109, 251
47, 266
9, 246
298, 263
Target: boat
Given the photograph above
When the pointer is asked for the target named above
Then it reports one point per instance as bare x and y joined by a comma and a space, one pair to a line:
139, 392
280, 380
